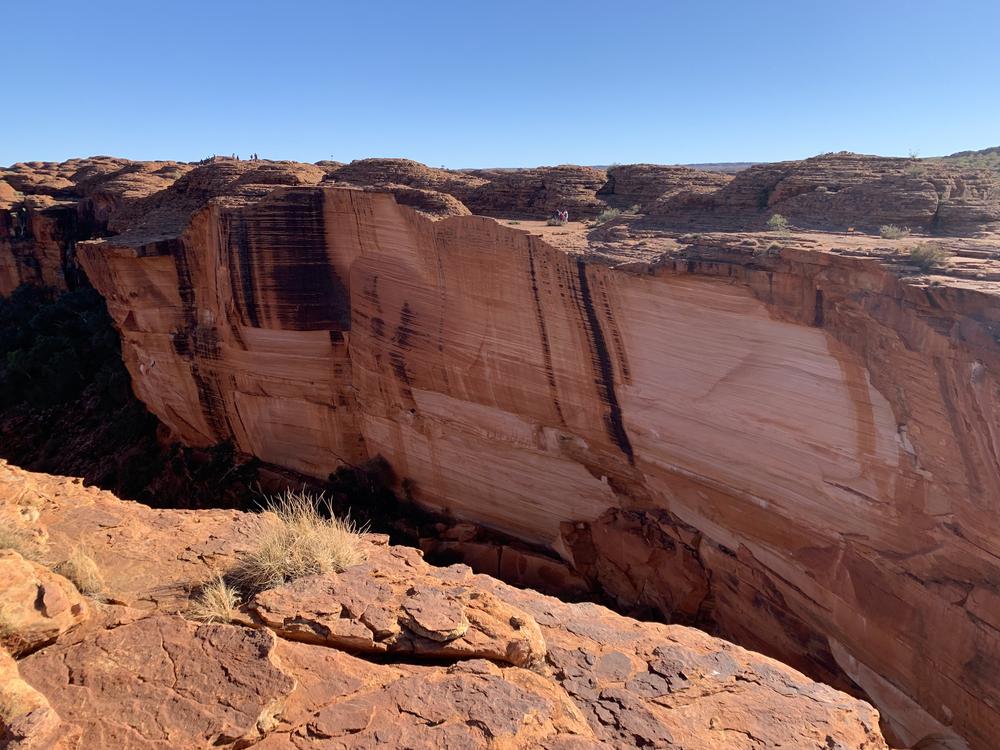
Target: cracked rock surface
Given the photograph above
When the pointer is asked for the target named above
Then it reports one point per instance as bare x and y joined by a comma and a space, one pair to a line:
390, 653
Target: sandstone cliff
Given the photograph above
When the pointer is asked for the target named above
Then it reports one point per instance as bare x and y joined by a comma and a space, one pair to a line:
791, 439
838, 191
389, 653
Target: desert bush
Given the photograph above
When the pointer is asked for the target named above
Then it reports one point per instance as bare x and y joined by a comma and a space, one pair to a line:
81, 569
554, 222
607, 215
635, 208
215, 601
893, 232
302, 542
777, 223
928, 256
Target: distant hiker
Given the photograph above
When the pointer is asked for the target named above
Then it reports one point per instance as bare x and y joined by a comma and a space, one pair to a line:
564, 216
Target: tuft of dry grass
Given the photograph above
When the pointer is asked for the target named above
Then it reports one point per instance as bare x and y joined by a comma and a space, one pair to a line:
215, 601
81, 569
303, 542
19, 540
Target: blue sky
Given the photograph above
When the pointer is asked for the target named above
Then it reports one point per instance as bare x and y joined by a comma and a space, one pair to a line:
511, 83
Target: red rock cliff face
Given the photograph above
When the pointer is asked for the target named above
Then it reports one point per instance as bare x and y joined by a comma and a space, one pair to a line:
851, 190
798, 446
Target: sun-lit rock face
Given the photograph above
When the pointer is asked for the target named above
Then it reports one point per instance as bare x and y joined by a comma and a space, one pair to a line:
842, 190
797, 446
391, 652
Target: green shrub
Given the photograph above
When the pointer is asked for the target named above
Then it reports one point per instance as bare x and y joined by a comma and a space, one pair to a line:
635, 208
928, 256
607, 215
554, 222
777, 223
892, 232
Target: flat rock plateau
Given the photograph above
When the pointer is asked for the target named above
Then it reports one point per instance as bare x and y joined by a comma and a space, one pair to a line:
788, 438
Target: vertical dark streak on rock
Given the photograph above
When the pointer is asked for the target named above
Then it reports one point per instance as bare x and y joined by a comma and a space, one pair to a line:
544, 334
309, 295
616, 337
405, 331
818, 309
605, 375
242, 239
199, 343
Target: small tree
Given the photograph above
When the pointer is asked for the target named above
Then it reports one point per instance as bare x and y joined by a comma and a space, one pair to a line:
777, 223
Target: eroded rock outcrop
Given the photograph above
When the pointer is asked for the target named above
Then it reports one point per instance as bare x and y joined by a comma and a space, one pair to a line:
523, 671
538, 192
838, 191
649, 185
37, 605
789, 440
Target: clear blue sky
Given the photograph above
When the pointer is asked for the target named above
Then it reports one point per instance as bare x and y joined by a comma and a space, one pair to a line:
507, 83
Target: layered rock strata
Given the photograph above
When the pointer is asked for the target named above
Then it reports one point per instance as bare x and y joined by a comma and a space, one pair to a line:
463, 661
650, 185
845, 190
793, 443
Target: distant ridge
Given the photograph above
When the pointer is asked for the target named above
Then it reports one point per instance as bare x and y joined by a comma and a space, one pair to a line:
729, 167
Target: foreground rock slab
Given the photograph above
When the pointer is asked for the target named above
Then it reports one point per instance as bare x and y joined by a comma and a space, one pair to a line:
163, 681
390, 653
397, 603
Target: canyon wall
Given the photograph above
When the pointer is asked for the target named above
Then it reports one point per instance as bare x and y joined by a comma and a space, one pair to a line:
797, 446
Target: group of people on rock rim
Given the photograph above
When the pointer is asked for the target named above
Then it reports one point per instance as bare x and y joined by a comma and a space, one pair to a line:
561, 216
234, 157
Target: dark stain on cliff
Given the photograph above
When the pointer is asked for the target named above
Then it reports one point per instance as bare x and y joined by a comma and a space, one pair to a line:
818, 309
309, 295
405, 331
616, 337
604, 376
241, 238
196, 342
544, 335
280, 247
